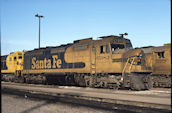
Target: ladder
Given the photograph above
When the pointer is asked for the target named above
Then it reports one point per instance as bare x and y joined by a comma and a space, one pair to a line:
123, 71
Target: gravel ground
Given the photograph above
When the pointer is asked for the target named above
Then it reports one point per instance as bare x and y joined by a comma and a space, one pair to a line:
16, 104
14, 100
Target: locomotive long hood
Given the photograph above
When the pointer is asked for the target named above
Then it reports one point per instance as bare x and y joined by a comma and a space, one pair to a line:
133, 52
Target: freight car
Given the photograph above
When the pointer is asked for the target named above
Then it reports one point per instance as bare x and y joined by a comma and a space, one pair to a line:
158, 59
108, 63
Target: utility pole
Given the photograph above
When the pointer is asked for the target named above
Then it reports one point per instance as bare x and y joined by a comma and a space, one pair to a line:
39, 16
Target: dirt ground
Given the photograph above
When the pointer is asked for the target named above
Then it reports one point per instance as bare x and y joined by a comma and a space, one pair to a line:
29, 98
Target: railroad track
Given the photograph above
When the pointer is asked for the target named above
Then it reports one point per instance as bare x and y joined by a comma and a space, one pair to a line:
157, 99
158, 92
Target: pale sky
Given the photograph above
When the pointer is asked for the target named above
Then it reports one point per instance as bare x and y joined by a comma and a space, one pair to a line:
147, 22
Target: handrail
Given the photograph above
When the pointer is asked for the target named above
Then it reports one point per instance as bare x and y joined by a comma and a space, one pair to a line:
123, 71
131, 64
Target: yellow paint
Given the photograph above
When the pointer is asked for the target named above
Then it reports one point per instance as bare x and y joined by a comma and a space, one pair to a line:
14, 62
161, 65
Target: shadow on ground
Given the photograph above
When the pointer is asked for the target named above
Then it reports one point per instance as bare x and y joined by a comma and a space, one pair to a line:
74, 101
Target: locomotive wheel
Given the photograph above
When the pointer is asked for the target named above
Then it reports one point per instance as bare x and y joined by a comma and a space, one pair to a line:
87, 81
104, 84
161, 80
148, 84
92, 82
136, 82
113, 86
79, 80
140, 82
20, 80
135, 87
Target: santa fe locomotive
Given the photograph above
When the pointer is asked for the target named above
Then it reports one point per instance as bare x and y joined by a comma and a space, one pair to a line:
109, 62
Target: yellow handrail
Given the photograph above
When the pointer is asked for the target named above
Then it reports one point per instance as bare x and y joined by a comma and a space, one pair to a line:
123, 71
131, 64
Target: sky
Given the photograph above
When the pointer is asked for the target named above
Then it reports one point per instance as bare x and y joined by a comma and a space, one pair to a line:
147, 22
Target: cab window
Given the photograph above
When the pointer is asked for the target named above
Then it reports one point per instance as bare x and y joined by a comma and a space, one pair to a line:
20, 57
107, 49
101, 49
160, 55
14, 58
128, 44
104, 48
116, 46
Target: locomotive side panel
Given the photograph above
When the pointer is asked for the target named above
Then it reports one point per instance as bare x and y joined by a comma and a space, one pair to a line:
161, 68
79, 52
162, 60
55, 60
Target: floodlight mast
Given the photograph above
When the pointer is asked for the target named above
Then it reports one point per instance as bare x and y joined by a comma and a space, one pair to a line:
39, 16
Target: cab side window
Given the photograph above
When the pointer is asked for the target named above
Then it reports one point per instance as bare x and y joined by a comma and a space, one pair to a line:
104, 49
107, 49
101, 49
14, 58
160, 54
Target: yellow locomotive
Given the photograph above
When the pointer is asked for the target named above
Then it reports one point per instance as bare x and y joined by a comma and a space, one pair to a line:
108, 62
12, 65
158, 59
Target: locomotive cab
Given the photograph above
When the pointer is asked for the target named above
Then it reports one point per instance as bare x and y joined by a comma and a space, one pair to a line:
115, 58
14, 63
113, 52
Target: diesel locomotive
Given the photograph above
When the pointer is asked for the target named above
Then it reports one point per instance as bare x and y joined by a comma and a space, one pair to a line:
12, 66
109, 62
158, 59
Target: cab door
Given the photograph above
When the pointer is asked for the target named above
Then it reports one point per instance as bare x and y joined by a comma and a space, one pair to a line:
93, 60
103, 58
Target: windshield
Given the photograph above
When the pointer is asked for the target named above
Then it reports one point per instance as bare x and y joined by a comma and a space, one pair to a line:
128, 44
20, 57
116, 46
